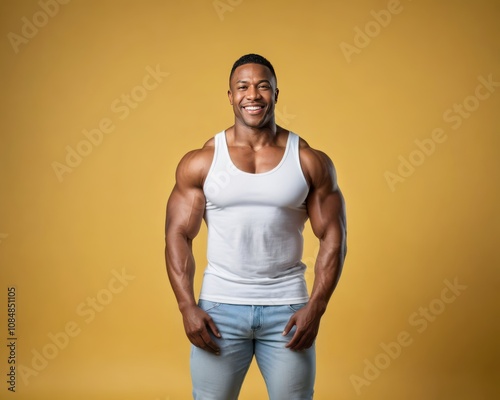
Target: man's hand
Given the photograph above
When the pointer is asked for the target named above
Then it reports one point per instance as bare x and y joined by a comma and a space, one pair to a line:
197, 324
307, 322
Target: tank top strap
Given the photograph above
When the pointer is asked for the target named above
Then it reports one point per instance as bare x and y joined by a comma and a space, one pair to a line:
294, 144
221, 154
293, 151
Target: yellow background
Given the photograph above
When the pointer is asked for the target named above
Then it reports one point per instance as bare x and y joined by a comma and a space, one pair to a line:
62, 240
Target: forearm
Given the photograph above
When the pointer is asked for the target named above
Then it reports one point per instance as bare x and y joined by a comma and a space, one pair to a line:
180, 269
327, 271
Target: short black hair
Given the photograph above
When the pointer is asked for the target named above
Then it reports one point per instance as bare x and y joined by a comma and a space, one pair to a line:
252, 59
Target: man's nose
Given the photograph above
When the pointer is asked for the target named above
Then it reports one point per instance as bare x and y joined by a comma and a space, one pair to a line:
253, 92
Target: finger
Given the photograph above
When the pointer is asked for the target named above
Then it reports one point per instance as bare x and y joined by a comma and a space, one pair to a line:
201, 338
301, 340
297, 336
298, 343
199, 342
302, 344
213, 328
209, 344
289, 326
212, 347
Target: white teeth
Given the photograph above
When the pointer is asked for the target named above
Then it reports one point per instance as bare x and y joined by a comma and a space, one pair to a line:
253, 108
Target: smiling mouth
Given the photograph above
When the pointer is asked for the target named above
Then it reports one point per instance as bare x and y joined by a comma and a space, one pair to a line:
253, 109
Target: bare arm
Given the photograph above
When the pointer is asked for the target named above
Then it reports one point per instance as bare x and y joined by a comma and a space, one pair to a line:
185, 211
325, 205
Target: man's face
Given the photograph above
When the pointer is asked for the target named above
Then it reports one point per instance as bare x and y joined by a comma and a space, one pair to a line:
253, 94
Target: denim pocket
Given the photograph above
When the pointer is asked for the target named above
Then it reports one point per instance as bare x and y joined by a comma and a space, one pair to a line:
296, 307
207, 305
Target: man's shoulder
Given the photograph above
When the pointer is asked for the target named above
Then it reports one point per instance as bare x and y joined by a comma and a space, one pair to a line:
210, 143
311, 155
316, 164
195, 164
200, 155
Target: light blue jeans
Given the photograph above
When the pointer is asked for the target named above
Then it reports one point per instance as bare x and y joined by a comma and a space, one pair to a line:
248, 330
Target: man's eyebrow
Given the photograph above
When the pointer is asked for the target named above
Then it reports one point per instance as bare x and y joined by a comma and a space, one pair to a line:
262, 80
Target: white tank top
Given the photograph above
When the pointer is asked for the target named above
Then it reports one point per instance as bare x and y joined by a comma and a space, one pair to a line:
255, 224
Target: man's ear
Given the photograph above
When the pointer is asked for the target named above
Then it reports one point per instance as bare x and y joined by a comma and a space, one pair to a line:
230, 97
276, 95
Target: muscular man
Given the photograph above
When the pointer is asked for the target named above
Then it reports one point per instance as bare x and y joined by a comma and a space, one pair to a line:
255, 184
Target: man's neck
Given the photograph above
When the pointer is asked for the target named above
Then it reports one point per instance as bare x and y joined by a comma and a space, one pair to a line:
254, 137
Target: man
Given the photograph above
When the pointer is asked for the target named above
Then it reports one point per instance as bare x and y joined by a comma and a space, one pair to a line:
255, 184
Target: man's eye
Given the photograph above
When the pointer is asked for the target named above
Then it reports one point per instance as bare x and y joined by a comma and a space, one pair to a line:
242, 87
264, 87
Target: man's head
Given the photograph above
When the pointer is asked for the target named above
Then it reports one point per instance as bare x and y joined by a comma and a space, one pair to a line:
252, 59
253, 92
